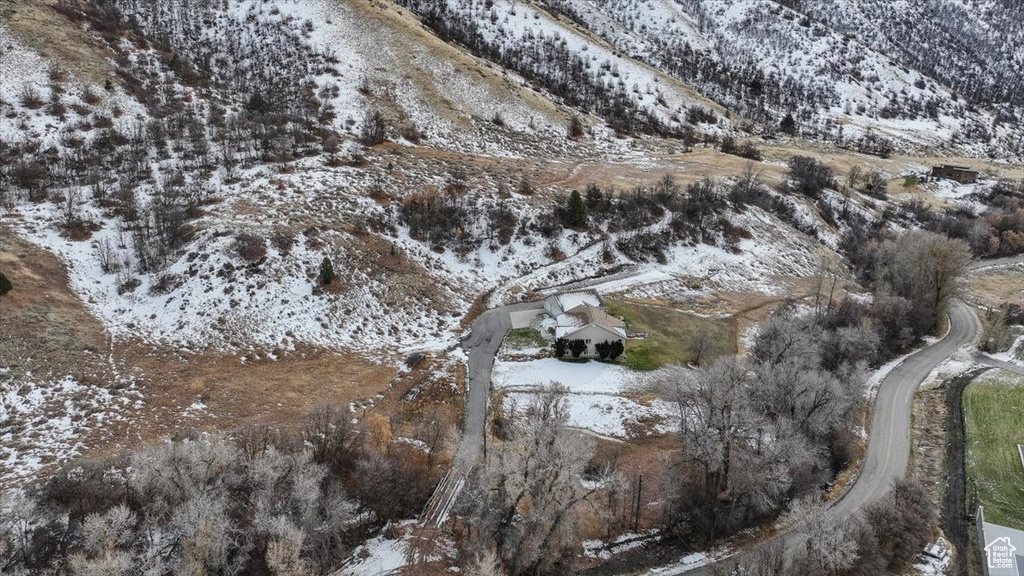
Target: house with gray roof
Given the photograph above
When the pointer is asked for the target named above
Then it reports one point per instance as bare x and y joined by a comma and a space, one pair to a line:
578, 316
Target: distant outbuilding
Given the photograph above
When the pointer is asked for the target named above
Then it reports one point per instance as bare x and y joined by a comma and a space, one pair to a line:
961, 174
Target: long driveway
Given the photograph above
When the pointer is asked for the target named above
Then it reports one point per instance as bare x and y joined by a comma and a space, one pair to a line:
481, 346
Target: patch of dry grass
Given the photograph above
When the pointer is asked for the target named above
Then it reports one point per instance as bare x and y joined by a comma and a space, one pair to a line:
235, 392
1000, 286
39, 26
929, 441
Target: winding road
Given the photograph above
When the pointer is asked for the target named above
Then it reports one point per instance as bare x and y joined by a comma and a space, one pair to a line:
888, 453
889, 442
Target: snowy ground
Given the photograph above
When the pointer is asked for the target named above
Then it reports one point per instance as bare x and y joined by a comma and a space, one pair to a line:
382, 555
760, 265
602, 550
938, 559
45, 422
689, 562
206, 297
1015, 355
601, 397
958, 194
961, 361
378, 556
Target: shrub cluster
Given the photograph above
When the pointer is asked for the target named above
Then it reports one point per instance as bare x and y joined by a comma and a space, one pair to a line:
255, 501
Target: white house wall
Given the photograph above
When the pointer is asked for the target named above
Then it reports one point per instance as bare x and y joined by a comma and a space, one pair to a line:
594, 334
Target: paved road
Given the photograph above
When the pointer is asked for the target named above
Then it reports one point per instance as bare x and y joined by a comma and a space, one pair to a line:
994, 262
481, 345
888, 443
987, 360
888, 450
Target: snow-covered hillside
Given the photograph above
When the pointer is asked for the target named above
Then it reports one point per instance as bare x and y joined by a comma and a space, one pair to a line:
762, 60
194, 198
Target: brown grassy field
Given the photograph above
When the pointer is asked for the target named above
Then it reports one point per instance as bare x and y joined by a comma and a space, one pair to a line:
35, 23
998, 286
48, 333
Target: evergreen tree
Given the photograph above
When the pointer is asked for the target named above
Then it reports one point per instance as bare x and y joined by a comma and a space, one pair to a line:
616, 349
326, 271
576, 211
788, 124
561, 345
577, 347
257, 104
5, 285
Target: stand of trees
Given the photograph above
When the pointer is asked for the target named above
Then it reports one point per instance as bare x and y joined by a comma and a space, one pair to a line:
914, 276
645, 221
525, 501
756, 434
255, 501
212, 107
261, 61
997, 232
547, 61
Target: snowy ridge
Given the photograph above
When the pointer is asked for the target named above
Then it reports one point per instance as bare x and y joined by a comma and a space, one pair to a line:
765, 60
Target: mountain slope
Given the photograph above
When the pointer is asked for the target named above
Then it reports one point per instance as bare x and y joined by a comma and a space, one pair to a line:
764, 60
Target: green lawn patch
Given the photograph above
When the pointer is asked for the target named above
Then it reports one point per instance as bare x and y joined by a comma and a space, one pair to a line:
520, 338
671, 334
994, 415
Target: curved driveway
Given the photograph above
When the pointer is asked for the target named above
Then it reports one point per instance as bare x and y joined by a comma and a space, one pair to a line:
481, 345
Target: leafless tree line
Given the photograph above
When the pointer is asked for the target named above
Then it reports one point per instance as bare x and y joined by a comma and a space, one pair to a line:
253, 501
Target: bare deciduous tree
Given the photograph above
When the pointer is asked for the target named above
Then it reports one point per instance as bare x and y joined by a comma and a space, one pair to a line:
524, 500
922, 267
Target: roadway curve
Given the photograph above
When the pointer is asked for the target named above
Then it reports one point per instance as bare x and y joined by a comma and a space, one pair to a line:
481, 346
888, 452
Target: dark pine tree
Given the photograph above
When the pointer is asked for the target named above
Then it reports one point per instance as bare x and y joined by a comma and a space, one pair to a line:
615, 349
257, 104
561, 345
576, 211
577, 347
788, 124
326, 271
